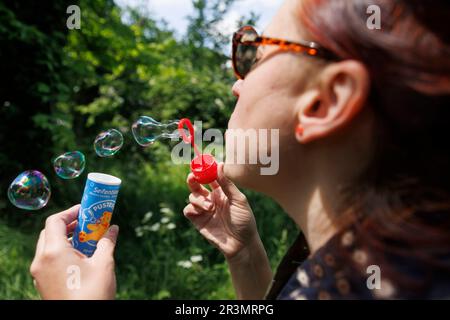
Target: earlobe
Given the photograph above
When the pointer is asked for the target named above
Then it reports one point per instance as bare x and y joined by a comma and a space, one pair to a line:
299, 130
308, 105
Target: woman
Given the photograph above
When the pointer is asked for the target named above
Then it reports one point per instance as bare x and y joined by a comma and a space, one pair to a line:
364, 163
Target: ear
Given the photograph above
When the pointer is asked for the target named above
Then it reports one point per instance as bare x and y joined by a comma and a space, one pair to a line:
338, 96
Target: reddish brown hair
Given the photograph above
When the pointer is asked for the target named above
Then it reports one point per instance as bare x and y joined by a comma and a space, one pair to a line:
401, 204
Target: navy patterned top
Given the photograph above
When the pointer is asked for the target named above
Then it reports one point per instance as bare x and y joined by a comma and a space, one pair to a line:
342, 269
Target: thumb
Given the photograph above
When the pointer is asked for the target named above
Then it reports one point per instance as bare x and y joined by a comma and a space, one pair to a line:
228, 187
106, 245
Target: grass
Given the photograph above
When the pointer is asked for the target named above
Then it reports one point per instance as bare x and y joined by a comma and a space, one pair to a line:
16, 253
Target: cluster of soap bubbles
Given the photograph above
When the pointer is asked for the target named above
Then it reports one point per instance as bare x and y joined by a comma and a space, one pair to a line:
31, 190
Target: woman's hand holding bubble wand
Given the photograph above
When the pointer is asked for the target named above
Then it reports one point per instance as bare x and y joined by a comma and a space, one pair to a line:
223, 215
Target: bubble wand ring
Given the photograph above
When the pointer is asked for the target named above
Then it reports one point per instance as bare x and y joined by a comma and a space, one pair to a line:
203, 166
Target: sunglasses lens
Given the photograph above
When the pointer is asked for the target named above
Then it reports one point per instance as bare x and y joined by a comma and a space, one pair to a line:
245, 53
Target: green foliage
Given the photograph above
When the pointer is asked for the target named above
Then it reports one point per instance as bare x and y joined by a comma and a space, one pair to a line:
67, 86
32, 35
15, 258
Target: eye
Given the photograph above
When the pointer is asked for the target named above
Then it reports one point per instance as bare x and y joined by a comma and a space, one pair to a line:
259, 53
258, 57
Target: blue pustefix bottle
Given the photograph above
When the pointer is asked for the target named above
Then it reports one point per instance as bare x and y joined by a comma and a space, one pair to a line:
97, 206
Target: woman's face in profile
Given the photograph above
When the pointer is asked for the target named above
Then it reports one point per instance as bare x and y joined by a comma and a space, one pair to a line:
268, 98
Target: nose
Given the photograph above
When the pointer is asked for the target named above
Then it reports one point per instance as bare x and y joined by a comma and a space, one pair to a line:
237, 88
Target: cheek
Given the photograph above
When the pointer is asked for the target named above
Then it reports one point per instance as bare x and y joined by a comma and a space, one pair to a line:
267, 96
267, 101
269, 111
245, 109
274, 111
263, 108
259, 134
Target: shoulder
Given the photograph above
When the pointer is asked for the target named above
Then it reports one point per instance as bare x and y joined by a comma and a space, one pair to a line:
325, 275
345, 268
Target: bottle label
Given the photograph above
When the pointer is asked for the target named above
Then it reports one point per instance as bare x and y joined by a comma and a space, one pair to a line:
97, 206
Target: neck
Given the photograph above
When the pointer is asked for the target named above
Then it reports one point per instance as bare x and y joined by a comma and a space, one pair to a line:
315, 221
312, 214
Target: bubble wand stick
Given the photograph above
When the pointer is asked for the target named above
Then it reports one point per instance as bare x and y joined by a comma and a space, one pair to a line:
203, 166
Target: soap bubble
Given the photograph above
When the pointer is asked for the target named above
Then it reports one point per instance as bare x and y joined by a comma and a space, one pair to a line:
147, 130
29, 191
69, 165
108, 143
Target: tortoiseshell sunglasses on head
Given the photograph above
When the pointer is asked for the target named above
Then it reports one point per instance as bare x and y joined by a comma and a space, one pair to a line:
246, 42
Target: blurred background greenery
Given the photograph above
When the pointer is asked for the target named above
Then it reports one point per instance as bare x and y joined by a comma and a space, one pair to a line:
61, 87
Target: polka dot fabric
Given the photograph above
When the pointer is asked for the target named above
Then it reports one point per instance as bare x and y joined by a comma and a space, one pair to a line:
342, 269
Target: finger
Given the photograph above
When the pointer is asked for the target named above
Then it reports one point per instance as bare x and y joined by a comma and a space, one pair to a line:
107, 244
70, 230
40, 243
201, 201
228, 187
196, 187
71, 227
214, 185
56, 226
191, 211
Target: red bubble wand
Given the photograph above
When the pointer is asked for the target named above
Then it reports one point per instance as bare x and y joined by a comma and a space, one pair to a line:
203, 166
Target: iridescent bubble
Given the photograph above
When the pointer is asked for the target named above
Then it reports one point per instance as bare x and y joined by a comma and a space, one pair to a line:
69, 165
29, 191
108, 143
147, 130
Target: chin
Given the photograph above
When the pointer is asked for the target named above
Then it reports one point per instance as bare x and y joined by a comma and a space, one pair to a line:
233, 172
246, 176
